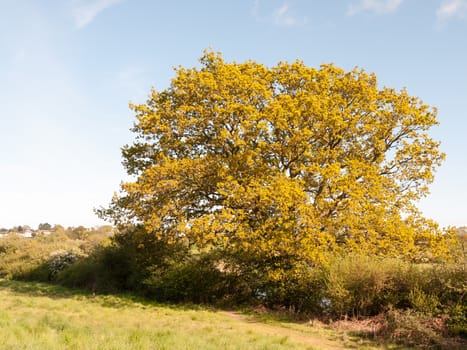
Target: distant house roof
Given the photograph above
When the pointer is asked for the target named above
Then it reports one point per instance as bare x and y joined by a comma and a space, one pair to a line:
26, 234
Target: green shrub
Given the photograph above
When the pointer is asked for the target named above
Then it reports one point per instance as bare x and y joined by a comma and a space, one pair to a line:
362, 285
191, 280
21, 257
107, 269
60, 259
457, 322
448, 282
298, 290
28, 258
82, 274
423, 302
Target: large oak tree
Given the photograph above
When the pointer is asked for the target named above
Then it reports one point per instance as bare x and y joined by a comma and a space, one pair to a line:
281, 163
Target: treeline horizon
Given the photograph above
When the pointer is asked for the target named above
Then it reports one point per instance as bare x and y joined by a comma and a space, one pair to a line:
45, 226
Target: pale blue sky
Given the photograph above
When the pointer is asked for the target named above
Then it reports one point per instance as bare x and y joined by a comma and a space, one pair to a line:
68, 69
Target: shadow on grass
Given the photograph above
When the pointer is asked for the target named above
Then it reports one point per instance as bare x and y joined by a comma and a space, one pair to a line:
40, 289
113, 300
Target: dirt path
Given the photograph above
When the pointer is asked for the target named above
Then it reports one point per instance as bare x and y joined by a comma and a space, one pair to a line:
309, 336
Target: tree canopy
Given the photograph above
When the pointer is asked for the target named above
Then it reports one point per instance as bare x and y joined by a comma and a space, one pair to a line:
44, 226
279, 163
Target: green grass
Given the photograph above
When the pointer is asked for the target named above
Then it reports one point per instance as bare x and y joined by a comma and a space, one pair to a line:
42, 316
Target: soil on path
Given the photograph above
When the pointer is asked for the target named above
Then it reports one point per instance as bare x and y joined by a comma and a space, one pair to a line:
312, 337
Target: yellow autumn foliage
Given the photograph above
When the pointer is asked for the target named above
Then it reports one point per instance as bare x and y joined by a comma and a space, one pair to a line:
283, 163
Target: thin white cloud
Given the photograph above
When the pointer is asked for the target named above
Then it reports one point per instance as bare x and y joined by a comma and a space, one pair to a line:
450, 9
282, 16
378, 7
84, 13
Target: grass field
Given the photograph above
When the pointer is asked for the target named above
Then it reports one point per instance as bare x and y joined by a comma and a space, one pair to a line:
41, 316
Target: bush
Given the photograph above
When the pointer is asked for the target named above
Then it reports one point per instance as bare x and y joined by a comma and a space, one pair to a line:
23, 258
60, 259
125, 264
367, 285
42, 257
426, 303
192, 280
106, 270
361, 285
414, 329
298, 290
457, 322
